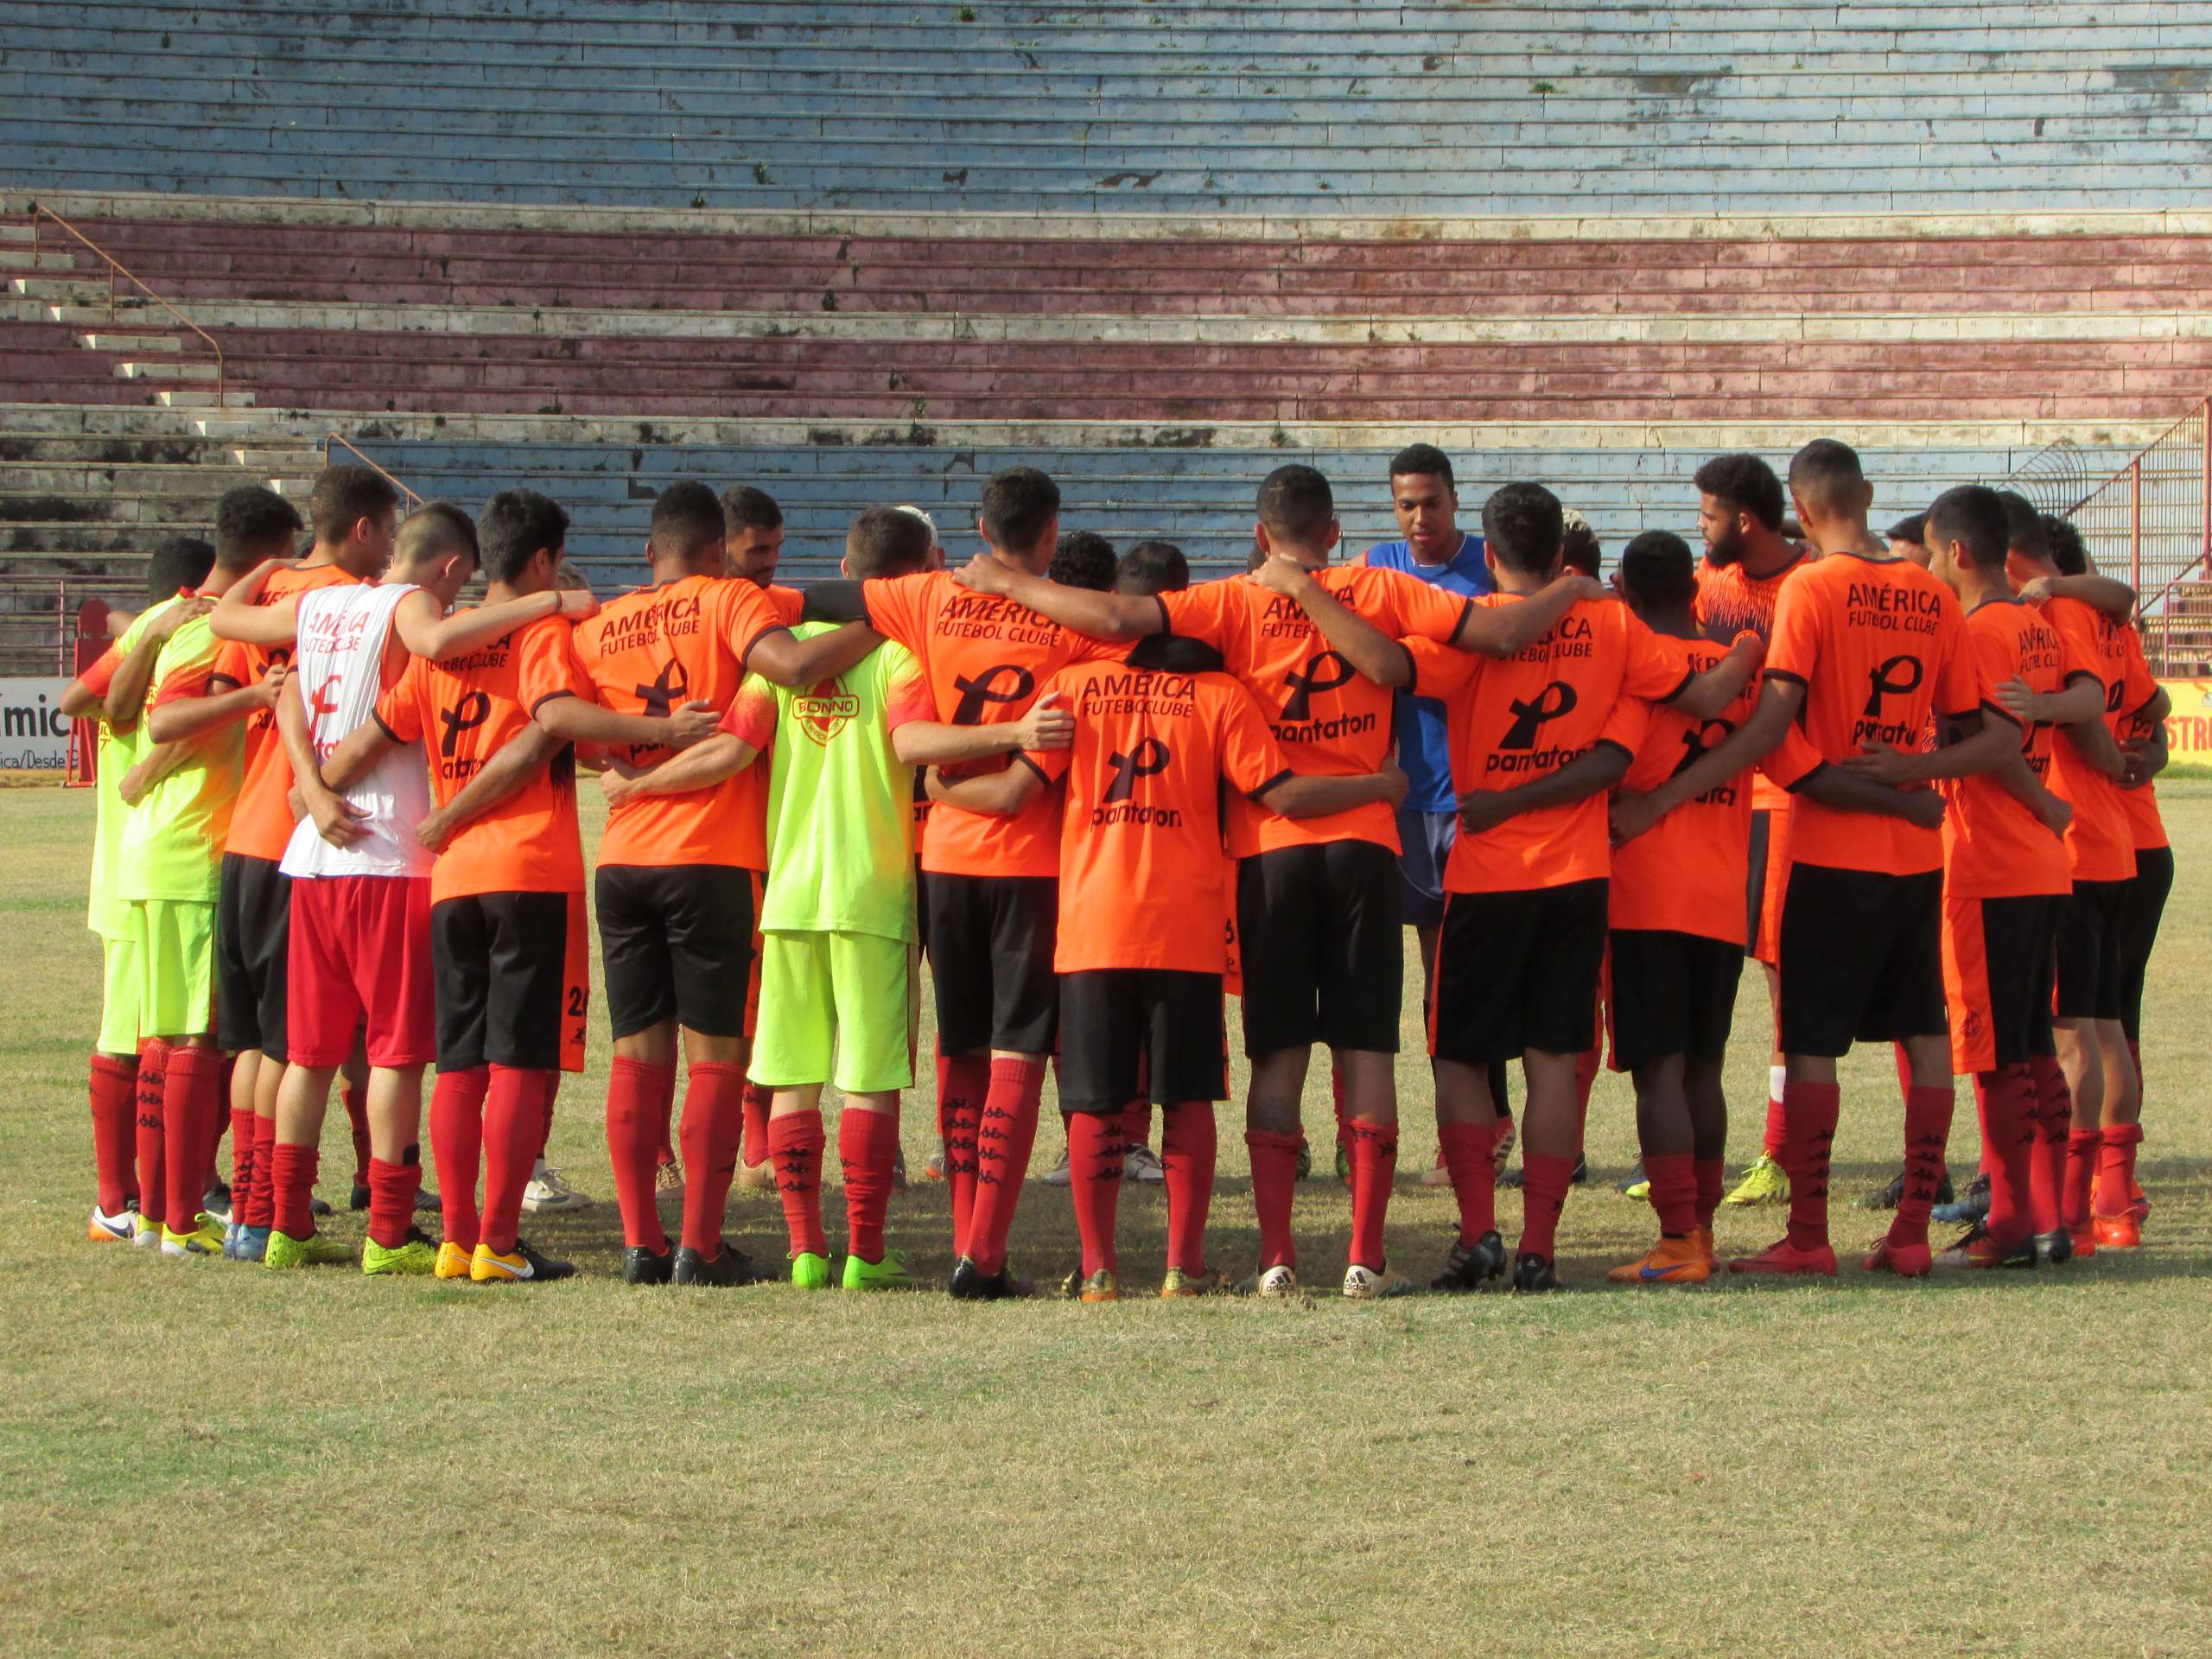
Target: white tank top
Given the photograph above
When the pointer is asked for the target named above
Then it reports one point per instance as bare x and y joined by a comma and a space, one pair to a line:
339, 665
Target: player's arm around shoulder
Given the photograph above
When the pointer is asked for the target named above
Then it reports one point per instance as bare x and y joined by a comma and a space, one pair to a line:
1372, 650
240, 615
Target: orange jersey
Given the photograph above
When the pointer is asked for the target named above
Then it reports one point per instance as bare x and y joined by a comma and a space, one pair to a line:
1331, 720
1994, 846
1731, 602
1880, 646
648, 652
986, 660
1141, 878
466, 711
1689, 873
2100, 841
261, 825
752, 784
1516, 720
2139, 690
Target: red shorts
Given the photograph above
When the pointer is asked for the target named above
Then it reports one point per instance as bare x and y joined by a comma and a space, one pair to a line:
360, 953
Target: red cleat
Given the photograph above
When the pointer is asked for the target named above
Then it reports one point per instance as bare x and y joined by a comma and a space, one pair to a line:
1784, 1260
1906, 1261
2121, 1232
2085, 1241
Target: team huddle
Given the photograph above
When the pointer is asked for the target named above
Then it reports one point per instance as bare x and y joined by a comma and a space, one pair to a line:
338, 842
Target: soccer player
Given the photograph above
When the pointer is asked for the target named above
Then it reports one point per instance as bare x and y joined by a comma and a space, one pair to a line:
675, 883
752, 530
1866, 646
1143, 920
1908, 538
1318, 922
1740, 510
127, 1195
353, 513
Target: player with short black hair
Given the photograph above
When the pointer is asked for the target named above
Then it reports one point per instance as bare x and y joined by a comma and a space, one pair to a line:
352, 504
753, 525
1082, 558
1152, 567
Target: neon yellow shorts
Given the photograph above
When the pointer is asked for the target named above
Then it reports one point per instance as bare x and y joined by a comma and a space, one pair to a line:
120, 993
176, 948
825, 992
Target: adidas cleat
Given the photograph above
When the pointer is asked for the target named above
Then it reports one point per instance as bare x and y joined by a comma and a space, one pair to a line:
1276, 1284
1470, 1266
1535, 1273
520, 1266
1370, 1285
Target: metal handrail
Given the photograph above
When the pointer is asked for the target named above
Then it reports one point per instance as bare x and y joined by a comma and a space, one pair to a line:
115, 266
414, 500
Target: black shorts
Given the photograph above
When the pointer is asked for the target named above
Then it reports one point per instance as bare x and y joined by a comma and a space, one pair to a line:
677, 944
1760, 848
1124, 1031
1671, 994
1862, 959
1519, 970
1318, 933
2139, 913
991, 942
500, 962
1997, 971
2090, 985
253, 932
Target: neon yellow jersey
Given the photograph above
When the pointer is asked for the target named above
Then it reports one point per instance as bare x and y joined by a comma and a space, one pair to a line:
173, 841
108, 912
841, 806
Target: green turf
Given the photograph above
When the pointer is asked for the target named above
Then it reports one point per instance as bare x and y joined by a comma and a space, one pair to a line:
201, 1457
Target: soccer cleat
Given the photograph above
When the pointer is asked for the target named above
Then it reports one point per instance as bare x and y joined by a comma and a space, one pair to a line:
1305, 1171
1435, 1175
205, 1238
890, 1274
1634, 1184
1140, 1163
1886, 1196
520, 1266
1277, 1284
1711, 1254
315, 1250
1535, 1272
118, 1228
971, 1284
1784, 1260
1368, 1285
1761, 1183
2120, 1232
1208, 1281
453, 1261
1099, 1287
546, 1194
1058, 1174
1906, 1261
643, 1267
318, 1207
809, 1271
728, 1266
230, 1240
668, 1178
1976, 1248
360, 1200
415, 1258
1670, 1262
146, 1235
1970, 1206
1469, 1266
2054, 1248
2082, 1241
751, 1178
253, 1244
216, 1201
933, 1167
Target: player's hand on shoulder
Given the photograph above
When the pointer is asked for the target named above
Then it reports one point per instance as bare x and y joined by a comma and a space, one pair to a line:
1591, 588
1630, 815
2020, 700
577, 603
985, 574
1280, 574
2035, 589
692, 722
170, 618
1924, 807
1048, 725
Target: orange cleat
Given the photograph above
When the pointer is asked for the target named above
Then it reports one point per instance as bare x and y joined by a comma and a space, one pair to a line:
2120, 1232
1906, 1261
1670, 1262
1784, 1260
1712, 1254
2085, 1241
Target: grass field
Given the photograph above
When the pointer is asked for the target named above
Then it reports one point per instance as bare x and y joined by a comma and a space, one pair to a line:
199, 1458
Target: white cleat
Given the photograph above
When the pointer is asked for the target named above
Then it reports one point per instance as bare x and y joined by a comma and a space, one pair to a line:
146, 1235
1058, 1174
1278, 1283
1365, 1285
119, 1228
1141, 1163
548, 1195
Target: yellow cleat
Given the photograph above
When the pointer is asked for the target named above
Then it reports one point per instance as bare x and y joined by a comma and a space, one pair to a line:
1762, 1183
453, 1261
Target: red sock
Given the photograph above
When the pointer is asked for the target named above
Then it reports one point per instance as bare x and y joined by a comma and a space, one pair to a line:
1545, 1176
2115, 1166
242, 1159
356, 1102
2007, 1102
752, 1145
1809, 1113
514, 1111
457, 1149
150, 1133
1711, 1175
291, 1184
1095, 1184
1674, 1192
714, 1115
1927, 1133
1772, 1145
261, 1199
1374, 1166
1187, 1148
795, 1141
115, 1130
634, 1114
2082, 1147
1470, 1158
1274, 1179
2054, 1120
392, 1188
962, 1081
1003, 1141
191, 1097
868, 1150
